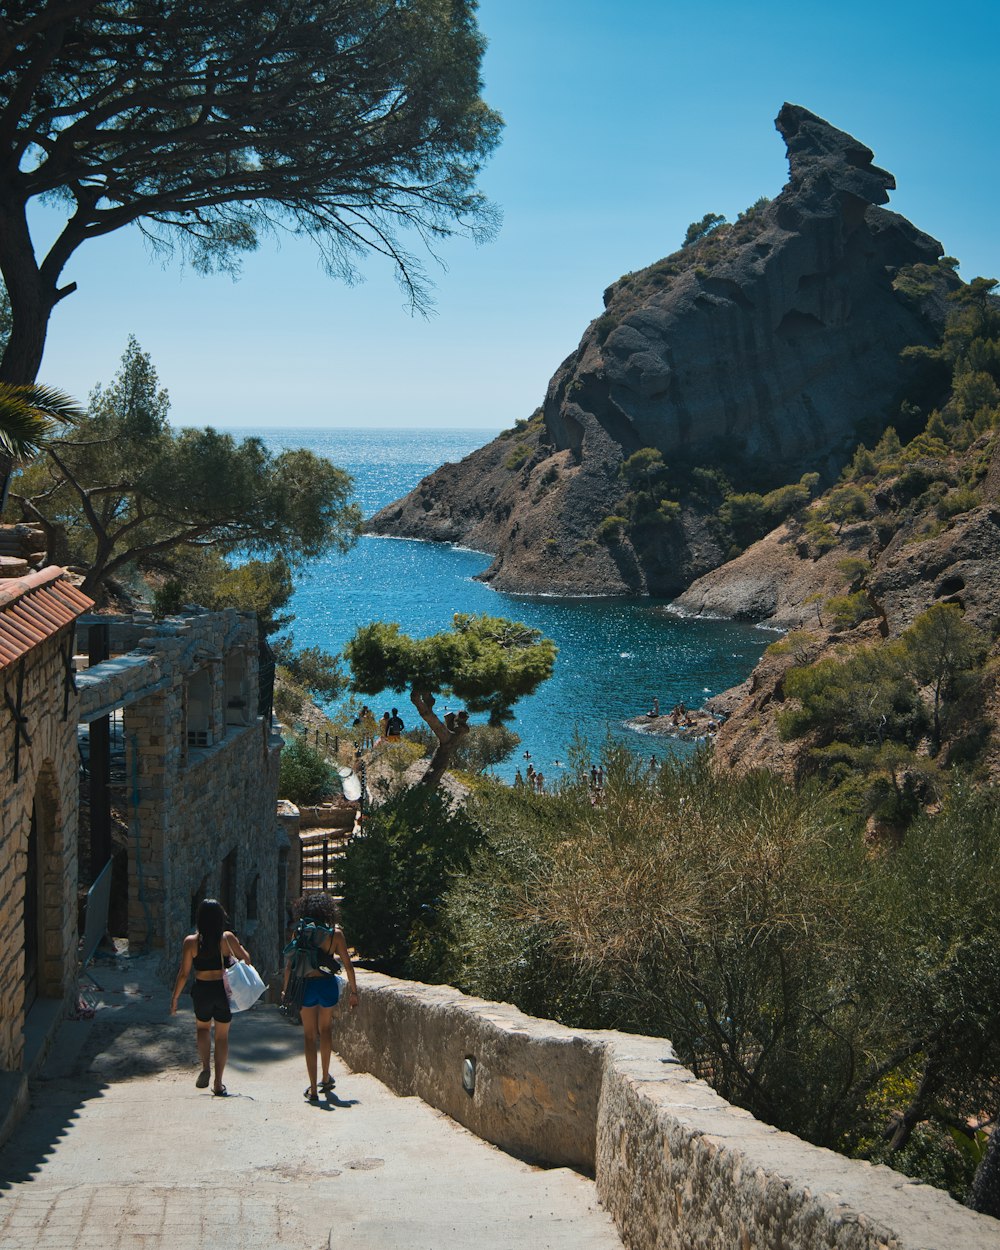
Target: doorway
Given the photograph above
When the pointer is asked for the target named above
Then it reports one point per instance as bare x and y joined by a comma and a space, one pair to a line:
32, 916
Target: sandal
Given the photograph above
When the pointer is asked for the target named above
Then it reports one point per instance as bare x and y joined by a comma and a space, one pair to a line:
310, 1096
327, 1084
204, 1076
221, 1092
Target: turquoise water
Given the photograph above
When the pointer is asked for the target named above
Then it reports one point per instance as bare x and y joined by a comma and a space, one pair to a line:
614, 654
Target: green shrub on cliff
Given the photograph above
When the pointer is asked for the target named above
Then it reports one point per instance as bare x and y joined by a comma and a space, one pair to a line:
903, 691
749, 516
611, 528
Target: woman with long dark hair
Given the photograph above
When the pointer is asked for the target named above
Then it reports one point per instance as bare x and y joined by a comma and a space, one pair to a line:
320, 954
206, 953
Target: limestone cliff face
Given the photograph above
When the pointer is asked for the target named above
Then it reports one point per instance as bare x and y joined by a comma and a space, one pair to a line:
766, 348
900, 563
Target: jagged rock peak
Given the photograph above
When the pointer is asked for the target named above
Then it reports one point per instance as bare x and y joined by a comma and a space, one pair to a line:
816, 149
760, 351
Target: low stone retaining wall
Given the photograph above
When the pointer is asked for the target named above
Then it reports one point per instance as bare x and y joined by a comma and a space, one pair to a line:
677, 1166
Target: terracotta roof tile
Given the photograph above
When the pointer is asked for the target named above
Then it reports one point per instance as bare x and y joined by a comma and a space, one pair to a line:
35, 607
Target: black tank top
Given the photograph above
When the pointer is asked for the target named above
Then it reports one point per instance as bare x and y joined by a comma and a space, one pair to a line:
209, 961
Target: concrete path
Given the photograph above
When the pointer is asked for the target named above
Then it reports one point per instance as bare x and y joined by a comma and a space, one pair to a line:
120, 1151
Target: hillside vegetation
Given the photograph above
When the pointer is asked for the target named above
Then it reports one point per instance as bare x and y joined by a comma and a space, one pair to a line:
823, 952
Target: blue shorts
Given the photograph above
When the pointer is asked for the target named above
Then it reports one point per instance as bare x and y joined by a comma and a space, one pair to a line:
321, 992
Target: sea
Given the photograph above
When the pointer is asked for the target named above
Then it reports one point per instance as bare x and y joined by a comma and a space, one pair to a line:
615, 654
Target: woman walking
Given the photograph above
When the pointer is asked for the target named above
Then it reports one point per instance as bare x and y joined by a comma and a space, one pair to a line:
204, 953
315, 950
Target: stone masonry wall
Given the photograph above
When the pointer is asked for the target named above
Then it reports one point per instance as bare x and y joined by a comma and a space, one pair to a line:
677, 1166
190, 806
46, 780
219, 813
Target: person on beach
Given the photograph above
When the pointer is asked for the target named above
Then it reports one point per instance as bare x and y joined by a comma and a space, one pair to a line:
322, 989
205, 953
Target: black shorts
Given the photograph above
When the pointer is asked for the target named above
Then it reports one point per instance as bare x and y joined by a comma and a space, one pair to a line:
210, 1002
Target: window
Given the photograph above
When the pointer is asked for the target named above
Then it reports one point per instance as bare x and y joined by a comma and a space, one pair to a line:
199, 709
237, 688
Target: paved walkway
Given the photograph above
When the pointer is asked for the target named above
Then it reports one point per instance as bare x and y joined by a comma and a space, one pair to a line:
120, 1151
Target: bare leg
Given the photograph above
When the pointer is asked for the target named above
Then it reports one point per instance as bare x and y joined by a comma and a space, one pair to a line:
221, 1052
310, 1027
204, 1037
325, 1038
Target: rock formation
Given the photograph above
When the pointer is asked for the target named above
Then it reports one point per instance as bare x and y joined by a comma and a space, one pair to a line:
764, 349
901, 565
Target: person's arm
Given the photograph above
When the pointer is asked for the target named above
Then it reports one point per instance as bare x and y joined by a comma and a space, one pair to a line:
235, 948
340, 950
187, 955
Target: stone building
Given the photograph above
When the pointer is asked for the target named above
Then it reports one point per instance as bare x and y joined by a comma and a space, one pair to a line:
38, 807
191, 765
164, 730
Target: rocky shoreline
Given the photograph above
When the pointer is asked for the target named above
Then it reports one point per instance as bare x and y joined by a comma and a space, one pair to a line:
689, 726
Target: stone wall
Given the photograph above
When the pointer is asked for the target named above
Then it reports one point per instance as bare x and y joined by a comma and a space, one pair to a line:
46, 782
201, 778
677, 1166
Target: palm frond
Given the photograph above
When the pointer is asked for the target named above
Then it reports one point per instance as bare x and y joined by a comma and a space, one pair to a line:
30, 415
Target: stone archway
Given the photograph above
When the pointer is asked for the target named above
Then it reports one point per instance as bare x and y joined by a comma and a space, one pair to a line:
43, 907
31, 916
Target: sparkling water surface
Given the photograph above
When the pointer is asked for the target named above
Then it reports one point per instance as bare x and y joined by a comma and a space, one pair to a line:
614, 654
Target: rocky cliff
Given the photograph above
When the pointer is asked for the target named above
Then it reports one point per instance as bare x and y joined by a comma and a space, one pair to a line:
759, 351
885, 569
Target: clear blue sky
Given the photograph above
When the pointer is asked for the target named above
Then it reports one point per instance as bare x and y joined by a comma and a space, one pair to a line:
625, 122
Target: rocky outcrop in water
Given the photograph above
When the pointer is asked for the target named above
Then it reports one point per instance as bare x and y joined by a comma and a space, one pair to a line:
765, 349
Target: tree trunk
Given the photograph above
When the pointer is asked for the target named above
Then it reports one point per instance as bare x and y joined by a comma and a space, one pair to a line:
33, 294
448, 732
984, 1196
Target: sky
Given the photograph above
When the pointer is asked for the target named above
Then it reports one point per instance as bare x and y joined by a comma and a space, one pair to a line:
624, 123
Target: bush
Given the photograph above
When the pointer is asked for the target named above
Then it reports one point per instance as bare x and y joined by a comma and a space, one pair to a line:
611, 529
851, 998
289, 699
847, 611
304, 775
311, 668
395, 878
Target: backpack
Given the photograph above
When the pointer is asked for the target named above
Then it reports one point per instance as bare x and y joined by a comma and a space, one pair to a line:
305, 950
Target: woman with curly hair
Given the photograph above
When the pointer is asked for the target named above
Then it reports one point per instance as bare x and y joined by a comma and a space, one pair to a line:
206, 953
321, 989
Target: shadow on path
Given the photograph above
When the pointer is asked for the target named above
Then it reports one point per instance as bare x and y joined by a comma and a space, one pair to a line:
131, 1037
